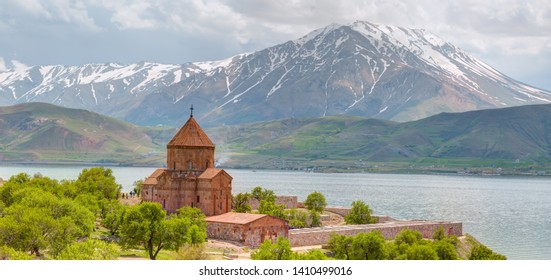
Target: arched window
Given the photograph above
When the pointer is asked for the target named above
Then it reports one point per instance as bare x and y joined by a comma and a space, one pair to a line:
190, 164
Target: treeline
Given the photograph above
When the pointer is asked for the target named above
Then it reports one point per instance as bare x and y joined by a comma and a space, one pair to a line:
407, 245
42, 218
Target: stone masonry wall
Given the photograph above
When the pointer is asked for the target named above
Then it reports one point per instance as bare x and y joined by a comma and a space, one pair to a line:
343, 211
318, 236
288, 201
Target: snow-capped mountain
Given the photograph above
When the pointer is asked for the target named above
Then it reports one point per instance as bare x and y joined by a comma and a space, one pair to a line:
358, 69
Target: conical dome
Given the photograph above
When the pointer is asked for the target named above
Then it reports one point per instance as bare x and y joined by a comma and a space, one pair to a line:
191, 135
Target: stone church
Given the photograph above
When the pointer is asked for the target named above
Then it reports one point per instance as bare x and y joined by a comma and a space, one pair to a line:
190, 178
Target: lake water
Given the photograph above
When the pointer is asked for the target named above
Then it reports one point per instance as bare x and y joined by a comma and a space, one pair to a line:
511, 215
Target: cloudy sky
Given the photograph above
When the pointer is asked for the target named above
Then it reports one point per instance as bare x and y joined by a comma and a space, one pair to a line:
513, 36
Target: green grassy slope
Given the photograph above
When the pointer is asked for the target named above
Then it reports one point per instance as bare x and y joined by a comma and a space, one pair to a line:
509, 137
47, 133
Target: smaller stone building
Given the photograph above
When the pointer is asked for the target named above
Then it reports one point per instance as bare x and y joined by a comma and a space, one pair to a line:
248, 229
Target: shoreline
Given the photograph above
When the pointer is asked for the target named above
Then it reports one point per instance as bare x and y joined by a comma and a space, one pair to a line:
333, 171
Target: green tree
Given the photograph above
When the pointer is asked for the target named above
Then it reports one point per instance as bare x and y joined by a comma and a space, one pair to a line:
315, 220
481, 252
359, 214
315, 202
341, 246
421, 252
296, 218
38, 220
439, 234
369, 246
241, 203
311, 255
90, 249
408, 236
269, 207
98, 181
444, 250
113, 216
260, 194
138, 187
281, 250
146, 225
8, 253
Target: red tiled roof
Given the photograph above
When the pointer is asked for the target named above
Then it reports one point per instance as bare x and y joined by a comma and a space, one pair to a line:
192, 135
235, 218
209, 173
153, 178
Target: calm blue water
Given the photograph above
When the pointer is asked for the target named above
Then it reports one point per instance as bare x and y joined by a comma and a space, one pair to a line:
508, 214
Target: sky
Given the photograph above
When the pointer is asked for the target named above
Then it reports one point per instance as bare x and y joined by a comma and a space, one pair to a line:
512, 36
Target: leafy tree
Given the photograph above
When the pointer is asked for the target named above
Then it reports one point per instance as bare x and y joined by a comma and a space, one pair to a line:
91, 249
269, 207
138, 187
421, 252
369, 246
341, 246
296, 218
315, 202
359, 214
481, 252
38, 220
311, 255
408, 236
196, 216
146, 225
14, 183
444, 250
98, 181
241, 203
315, 219
281, 250
113, 216
8, 253
260, 194
439, 234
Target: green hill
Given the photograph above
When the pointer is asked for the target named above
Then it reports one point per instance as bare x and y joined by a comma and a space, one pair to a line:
514, 139
39, 132
518, 138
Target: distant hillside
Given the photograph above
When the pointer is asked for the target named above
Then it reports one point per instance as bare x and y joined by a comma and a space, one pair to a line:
39, 132
508, 137
513, 138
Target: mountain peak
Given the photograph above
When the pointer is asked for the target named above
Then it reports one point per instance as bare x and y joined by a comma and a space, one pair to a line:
361, 68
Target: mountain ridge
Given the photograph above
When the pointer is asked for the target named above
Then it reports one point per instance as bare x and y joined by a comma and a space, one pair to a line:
516, 137
359, 69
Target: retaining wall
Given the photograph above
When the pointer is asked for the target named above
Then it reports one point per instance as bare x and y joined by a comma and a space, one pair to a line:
319, 236
343, 211
287, 200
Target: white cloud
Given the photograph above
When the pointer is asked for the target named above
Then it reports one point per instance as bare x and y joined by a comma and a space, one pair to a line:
201, 28
3, 66
18, 65
67, 11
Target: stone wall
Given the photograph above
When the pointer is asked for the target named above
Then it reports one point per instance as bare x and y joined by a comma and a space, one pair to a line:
252, 234
343, 211
318, 236
287, 200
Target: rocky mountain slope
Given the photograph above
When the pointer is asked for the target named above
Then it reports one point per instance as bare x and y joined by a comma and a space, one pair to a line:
359, 69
